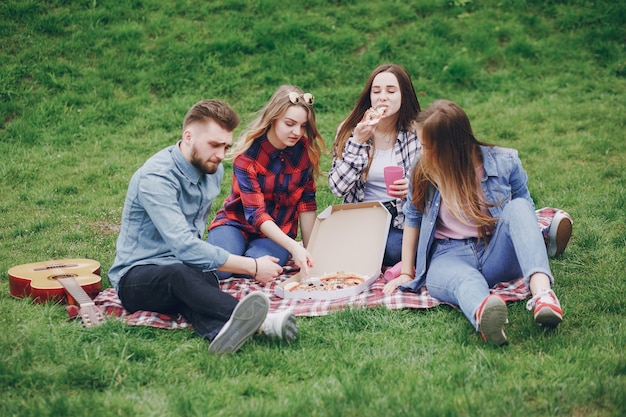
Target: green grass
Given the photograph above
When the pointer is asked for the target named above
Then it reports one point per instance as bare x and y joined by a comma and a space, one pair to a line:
90, 89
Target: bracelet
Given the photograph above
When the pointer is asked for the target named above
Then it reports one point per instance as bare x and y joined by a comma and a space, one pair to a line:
256, 267
407, 274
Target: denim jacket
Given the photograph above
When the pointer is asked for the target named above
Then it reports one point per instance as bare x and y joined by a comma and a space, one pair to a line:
165, 215
503, 181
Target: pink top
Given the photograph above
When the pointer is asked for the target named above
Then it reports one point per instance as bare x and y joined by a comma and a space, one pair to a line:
450, 228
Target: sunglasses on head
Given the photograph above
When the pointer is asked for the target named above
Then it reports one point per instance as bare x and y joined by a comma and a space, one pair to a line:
296, 98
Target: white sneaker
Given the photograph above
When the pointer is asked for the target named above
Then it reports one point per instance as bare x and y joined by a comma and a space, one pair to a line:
243, 323
281, 325
559, 233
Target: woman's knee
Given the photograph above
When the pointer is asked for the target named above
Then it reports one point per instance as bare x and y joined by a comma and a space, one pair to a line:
228, 238
519, 204
517, 209
265, 246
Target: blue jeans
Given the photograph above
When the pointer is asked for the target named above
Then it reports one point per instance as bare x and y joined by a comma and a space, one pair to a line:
178, 288
393, 248
462, 271
234, 241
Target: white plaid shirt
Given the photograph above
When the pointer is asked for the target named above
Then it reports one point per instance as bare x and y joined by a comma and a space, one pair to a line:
345, 178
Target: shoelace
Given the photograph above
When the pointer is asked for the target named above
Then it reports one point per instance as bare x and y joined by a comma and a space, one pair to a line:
533, 301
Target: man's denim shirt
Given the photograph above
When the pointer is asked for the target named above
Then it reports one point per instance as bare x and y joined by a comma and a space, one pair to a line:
165, 215
504, 180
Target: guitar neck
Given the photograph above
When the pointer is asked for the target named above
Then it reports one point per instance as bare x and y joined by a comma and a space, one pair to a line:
90, 314
76, 291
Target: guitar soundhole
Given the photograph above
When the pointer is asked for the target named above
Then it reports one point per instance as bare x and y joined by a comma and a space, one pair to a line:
51, 277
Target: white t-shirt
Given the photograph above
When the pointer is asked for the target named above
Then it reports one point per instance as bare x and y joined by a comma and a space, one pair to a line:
375, 189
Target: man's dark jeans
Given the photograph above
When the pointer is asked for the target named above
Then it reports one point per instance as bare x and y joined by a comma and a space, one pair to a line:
178, 288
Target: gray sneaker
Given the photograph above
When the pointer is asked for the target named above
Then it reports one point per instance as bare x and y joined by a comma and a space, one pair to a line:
281, 325
243, 323
492, 316
559, 234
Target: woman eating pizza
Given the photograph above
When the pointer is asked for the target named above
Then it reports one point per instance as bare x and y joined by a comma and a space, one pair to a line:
365, 145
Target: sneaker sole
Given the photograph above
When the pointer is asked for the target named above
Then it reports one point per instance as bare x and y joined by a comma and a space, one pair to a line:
547, 317
289, 331
493, 318
244, 322
558, 237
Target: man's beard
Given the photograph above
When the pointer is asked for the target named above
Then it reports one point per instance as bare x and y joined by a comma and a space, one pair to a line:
207, 167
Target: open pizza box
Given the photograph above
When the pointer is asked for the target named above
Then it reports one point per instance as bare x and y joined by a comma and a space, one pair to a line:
348, 238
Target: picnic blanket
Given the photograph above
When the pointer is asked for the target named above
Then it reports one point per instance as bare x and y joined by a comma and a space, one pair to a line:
515, 290
239, 287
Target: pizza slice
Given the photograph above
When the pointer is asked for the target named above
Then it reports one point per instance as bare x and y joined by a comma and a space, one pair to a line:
373, 115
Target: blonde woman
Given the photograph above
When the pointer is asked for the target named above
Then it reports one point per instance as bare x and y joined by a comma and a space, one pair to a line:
275, 163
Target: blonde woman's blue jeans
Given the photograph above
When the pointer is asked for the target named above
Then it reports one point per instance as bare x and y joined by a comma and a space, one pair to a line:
233, 240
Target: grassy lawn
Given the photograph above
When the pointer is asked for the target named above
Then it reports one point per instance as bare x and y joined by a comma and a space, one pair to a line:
90, 89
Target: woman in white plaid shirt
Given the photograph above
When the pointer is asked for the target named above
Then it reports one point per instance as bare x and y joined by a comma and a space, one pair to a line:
361, 149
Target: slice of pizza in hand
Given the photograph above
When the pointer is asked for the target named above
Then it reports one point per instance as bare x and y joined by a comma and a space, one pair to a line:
373, 115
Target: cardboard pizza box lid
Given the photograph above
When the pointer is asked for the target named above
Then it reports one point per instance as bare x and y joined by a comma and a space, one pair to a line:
347, 238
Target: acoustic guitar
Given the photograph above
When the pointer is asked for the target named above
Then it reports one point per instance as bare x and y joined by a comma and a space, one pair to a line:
70, 281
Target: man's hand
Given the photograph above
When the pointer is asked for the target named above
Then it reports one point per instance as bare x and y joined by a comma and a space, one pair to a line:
267, 269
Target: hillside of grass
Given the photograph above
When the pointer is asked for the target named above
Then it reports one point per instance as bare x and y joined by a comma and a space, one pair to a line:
89, 89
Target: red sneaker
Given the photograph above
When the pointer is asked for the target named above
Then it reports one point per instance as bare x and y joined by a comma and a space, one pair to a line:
547, 308
491, 317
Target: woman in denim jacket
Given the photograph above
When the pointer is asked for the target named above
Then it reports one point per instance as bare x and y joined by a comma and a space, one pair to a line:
471, 212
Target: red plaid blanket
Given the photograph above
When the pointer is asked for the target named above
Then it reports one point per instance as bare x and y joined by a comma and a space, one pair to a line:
238, 287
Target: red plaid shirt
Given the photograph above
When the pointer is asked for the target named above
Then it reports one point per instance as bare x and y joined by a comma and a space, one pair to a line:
269, 184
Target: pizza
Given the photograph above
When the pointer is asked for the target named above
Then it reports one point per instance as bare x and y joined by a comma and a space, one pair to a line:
329, 282
373, 115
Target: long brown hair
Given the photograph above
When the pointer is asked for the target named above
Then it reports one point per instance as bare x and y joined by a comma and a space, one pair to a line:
450, 156
409, 107
274, 109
